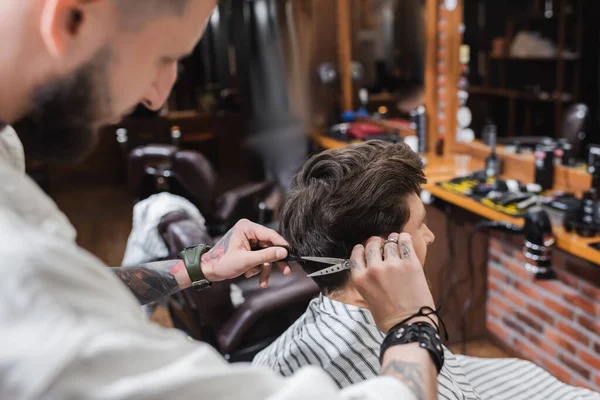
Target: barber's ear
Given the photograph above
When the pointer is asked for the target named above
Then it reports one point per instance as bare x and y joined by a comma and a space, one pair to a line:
61, 21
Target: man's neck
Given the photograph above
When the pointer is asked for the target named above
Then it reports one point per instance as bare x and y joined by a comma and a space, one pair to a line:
348, 295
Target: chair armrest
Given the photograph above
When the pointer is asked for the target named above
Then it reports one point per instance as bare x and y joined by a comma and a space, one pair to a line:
242, 202
291, 290
179, 232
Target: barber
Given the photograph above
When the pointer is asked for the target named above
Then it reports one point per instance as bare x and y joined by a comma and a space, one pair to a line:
70, 329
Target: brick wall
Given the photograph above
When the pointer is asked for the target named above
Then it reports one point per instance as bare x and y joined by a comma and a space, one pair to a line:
555, 324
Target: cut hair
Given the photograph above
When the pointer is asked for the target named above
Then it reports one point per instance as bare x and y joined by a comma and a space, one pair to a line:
340, 198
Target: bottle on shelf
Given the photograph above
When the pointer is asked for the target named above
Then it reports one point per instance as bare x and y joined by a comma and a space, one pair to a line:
492, 162
176, 136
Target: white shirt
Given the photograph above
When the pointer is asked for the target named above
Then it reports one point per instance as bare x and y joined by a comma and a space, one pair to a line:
69, 329
344, 340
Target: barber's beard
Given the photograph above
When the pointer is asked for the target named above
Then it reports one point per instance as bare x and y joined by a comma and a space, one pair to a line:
65, 115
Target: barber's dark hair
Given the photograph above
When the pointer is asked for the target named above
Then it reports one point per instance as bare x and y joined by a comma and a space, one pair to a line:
342, 197
134, 13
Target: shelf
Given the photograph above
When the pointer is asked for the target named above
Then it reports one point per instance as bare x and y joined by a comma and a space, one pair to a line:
511, 93
539, 17
382, 97
573, 57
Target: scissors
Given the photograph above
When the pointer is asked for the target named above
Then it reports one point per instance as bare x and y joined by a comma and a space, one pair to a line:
336, 264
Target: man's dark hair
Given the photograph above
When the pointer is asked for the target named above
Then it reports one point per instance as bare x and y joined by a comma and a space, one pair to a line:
342, 197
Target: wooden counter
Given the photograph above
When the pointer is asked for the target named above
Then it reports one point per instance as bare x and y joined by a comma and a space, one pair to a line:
445, 168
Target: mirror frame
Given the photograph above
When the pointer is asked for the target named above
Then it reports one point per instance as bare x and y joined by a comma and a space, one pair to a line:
442, 69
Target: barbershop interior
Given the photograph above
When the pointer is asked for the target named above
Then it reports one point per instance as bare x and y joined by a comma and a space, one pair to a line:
499, 100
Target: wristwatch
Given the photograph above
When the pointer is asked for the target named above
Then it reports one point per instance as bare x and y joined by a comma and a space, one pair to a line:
191, 257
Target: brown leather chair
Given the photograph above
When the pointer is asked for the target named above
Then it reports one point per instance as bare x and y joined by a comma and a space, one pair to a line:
238, 333
156, 168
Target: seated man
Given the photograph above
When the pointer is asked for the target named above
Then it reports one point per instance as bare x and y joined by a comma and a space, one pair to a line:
339, 199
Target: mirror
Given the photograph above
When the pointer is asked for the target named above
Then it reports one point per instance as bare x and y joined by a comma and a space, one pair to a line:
390, 37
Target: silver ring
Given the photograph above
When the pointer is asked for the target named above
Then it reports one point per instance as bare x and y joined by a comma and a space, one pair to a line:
387, 241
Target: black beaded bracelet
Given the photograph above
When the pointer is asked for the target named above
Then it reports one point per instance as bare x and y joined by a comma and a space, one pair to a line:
419, 332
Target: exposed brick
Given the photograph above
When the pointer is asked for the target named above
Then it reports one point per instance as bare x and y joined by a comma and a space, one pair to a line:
541, 342
597, 380
585, 384
590, 291
558, 371
590, 359
493, 285
525, 349
541, 314
496, 302
493, 257
500, 331
555, 337
573, 333
583, 269
597, 347
575, 366
493, 311
514, 297
551, 287
530, 322
496, 273
558, 308
497, 245
580, 302
514, 325
589, 324
520, 257
517, 269
567, 278
528, 290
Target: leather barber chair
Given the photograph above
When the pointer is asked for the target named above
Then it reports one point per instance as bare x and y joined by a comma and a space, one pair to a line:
238, 333
156, 168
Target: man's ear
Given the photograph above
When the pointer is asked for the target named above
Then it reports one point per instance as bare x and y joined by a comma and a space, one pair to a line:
60, 23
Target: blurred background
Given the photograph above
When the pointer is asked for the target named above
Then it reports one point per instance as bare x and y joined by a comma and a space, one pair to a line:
500, 97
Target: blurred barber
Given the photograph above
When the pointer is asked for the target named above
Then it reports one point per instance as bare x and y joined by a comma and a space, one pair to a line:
69, 327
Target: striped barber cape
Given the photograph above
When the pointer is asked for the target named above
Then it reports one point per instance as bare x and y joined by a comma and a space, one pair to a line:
344, 340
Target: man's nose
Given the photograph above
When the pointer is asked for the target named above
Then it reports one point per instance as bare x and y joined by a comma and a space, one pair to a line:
160, 90
431, 237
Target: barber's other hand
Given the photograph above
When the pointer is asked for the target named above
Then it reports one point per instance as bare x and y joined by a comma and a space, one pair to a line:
393, 283
232, 256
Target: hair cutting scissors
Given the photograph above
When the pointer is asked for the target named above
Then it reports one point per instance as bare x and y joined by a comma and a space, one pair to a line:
336, 264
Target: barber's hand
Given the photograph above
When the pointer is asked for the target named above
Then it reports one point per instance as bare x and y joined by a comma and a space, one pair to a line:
232, 256
393, 283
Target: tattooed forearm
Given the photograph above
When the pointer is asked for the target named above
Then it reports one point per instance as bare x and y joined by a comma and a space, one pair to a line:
409, 373
219, 249
148, 284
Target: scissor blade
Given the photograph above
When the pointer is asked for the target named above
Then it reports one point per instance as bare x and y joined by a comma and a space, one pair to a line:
325, 260
331, 270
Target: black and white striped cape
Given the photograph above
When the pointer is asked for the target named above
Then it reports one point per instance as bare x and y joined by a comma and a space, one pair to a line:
344, 340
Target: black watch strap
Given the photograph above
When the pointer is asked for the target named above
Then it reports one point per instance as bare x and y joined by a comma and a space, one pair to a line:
419, 332
191, 257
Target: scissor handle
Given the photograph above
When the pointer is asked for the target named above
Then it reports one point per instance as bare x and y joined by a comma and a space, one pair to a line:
291, 257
